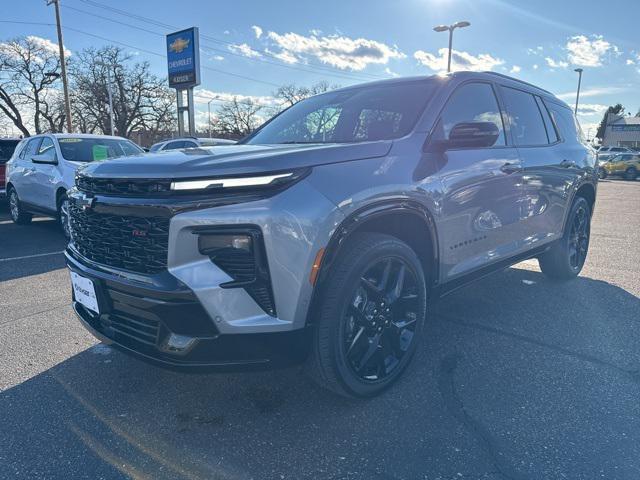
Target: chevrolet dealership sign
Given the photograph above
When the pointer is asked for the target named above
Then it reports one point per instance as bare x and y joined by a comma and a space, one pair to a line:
183, 58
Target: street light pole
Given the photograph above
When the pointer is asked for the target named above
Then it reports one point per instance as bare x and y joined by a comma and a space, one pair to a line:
579, 70
209, 117
450, 29
63, 66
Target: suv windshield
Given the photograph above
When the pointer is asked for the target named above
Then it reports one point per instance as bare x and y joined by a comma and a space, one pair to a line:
78, 149
354, 115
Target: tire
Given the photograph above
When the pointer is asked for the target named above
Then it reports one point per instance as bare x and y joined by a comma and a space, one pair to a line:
631, 173
361, 344
566, 258
17, 213
63, 215
602, 174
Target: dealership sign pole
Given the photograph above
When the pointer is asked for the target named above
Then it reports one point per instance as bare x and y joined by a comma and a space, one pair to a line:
183, 66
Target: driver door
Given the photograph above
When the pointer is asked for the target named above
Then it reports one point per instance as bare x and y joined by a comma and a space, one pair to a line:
482, 187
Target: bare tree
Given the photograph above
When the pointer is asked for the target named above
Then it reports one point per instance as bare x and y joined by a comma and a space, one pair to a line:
28, 68
140, 99
238, 118
291, 94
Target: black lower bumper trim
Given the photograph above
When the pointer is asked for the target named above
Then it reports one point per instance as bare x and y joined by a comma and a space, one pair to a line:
138, 320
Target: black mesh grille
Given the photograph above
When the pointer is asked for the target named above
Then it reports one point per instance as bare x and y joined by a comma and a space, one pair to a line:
120, 186
142, 330
132, 243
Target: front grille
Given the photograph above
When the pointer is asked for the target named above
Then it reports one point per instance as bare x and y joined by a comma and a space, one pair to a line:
122, 186
142, 330
137, 244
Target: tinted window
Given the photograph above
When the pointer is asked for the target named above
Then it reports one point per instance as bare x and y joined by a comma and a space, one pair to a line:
616, 149
174, 145
354, 115
82, 149
473, 102
7, 147
565, 122
31, 149
548, 124
156, 147
47, 149
525, 119
189, 144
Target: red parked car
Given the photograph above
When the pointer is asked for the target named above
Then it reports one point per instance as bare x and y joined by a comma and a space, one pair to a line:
7, 147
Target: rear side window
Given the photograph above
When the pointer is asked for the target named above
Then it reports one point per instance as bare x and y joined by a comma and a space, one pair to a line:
174, 145
548, 123
525, 119
565, 122
473, 102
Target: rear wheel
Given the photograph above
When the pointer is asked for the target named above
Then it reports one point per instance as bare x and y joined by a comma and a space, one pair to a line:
371, 316
566, 258
602, 173
631, 173
18, 215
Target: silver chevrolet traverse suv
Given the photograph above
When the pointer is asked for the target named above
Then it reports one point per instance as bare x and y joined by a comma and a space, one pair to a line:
323, 236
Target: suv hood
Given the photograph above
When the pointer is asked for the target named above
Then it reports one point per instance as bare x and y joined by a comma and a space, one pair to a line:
234, 160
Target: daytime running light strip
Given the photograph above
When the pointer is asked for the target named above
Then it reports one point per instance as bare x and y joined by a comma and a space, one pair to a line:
227, 182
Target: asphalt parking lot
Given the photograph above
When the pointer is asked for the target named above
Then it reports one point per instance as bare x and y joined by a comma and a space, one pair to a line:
517, 378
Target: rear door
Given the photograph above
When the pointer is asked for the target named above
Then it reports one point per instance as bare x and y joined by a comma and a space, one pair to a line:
25, 173
480, 207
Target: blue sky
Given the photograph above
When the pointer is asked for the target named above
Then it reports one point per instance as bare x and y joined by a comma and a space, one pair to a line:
269, 43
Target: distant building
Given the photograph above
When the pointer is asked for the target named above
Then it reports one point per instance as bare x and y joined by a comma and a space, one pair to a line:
622, 131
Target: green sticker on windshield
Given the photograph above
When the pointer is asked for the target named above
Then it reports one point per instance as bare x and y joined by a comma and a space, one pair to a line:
100, 152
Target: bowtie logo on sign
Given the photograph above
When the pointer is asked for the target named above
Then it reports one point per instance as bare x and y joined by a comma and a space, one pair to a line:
178, 45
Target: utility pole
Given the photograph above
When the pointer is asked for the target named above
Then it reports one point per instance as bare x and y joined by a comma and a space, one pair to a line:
209, 117
579, 70
63, 66
450, 28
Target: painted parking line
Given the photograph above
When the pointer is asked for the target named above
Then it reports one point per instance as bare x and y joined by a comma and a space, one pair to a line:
31, 256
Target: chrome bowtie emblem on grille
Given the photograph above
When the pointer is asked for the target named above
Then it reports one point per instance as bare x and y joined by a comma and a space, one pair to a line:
84, 202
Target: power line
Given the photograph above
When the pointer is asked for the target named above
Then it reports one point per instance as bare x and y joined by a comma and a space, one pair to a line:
328, 70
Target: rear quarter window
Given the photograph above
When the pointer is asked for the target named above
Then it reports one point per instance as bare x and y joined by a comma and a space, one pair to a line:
566, 122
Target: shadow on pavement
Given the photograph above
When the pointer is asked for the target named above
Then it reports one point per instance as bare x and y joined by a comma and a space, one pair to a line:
517, 377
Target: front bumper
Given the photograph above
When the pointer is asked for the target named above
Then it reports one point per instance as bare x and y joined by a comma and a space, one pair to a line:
166, 324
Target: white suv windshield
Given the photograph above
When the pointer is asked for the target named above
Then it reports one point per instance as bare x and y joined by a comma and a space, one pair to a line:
77, 149
356, 115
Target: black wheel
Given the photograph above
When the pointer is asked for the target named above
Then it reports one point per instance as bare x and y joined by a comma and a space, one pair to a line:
63, 215
18, 215
566, 258
631, 173
370, 318
602, 173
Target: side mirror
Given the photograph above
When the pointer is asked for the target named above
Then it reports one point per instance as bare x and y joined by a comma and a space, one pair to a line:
473, 134
44, 159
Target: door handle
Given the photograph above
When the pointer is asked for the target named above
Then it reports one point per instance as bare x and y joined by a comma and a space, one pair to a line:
567, 163
510, 168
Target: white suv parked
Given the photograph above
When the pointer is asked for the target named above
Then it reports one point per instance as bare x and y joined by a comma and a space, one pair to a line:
43, 168
189, 142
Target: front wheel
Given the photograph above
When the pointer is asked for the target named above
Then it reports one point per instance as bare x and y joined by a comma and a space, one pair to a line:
63, 216
371, 315
566, 258
631, 174
17, 213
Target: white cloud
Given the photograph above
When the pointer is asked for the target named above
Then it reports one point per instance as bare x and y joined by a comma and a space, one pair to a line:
535, 66
630, 61
336, 50
535, 51
202, 96
588, 52
244, 50
257, 30
38, 43
556, 64
459, 60
515, 69
586, 109
283, 55
593, 92
219, 58
391, 73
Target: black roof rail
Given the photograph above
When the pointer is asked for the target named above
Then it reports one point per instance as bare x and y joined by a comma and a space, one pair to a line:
520, 81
